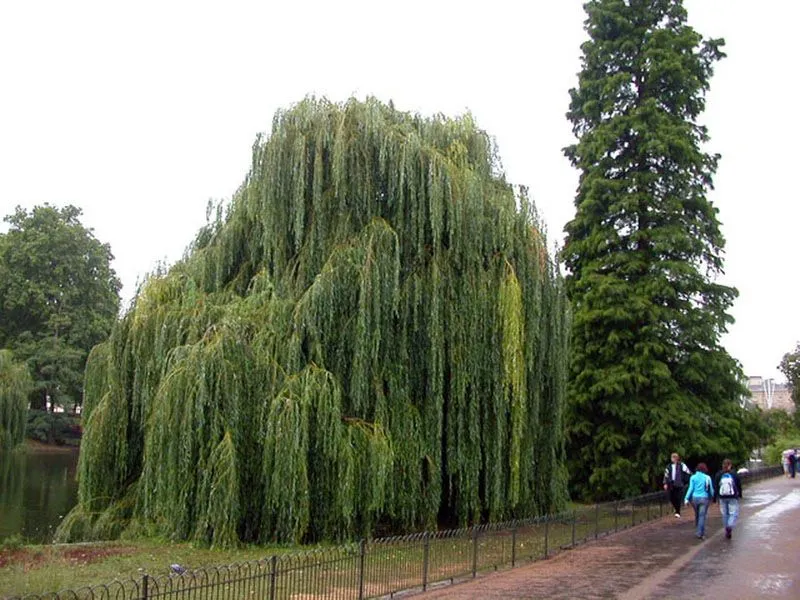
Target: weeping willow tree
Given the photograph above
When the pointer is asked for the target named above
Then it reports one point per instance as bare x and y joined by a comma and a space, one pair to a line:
15, 385
371, 337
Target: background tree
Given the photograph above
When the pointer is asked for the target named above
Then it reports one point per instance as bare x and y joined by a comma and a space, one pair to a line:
760, 428
790, 367
778, 423
59, 297
15, 385
648, 375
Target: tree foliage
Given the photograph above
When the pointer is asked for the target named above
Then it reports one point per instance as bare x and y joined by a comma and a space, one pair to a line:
790, 367
372, 335
760, 428
648, 374
59, 297
15, 385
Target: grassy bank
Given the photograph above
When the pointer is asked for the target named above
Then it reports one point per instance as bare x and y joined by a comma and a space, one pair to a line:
37, 447
38, 569
390, 565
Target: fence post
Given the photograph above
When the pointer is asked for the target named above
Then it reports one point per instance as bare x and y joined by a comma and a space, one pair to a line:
514, 544
145, 581
361, 560
474, 552
546, 534
596, 521
426, 554
574, 524
273, 576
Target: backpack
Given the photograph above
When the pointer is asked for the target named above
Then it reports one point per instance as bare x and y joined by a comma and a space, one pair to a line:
727, 486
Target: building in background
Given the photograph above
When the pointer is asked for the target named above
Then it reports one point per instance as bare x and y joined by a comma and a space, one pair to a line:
768, 395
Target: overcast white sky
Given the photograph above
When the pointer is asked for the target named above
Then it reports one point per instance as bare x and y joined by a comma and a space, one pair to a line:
140, 112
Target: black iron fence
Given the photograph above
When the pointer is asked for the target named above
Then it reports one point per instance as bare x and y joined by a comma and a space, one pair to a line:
382, 568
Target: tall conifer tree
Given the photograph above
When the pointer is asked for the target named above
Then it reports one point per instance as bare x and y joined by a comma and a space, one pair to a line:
644, 252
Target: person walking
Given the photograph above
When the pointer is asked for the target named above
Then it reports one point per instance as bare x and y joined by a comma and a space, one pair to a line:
785, 461
699, 492
792, 463
676, 476
728, 490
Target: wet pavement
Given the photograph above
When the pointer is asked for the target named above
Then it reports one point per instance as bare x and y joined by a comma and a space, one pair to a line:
663, 559
763, 561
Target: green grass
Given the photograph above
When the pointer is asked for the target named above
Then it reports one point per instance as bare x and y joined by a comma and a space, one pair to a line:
39, 569
389, 566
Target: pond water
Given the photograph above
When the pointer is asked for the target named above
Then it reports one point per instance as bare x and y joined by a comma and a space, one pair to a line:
37, 488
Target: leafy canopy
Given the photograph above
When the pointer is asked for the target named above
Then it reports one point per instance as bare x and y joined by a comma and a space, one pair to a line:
643, 253
371, 337
15, 385
790, 367
58, 295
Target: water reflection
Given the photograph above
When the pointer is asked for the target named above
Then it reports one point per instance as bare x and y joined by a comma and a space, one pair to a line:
36, 490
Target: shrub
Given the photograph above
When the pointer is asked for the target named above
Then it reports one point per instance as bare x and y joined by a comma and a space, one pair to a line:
773, 453
60, 428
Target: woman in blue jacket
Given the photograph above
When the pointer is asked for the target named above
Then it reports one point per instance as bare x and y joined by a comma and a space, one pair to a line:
699, 493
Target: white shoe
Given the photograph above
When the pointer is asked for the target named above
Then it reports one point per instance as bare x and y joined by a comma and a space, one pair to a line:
677, 515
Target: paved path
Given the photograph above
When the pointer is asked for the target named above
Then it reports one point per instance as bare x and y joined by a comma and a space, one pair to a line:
663, 559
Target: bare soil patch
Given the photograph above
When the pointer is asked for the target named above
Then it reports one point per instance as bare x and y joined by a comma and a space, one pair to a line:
31, 559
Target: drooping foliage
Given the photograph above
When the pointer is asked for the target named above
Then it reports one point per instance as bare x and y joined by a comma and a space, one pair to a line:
15, 385
644, 251
371, 337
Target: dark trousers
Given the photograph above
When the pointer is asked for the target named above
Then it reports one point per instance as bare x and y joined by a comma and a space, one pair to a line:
676, 497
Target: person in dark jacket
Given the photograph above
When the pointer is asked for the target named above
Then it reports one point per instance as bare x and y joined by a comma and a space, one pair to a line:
728, 490
676, 476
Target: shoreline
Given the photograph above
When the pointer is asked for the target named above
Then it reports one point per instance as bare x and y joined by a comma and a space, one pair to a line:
42, 448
